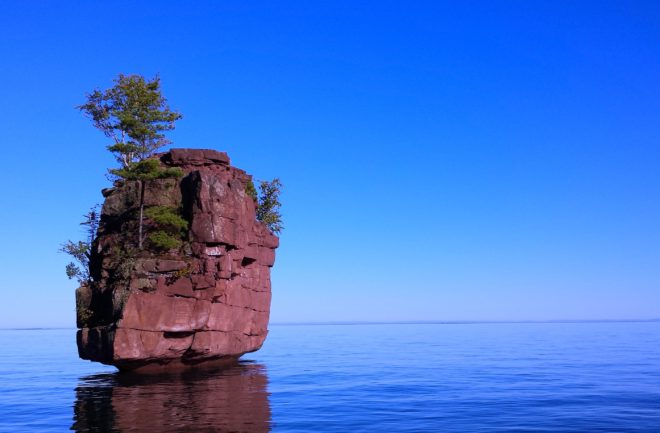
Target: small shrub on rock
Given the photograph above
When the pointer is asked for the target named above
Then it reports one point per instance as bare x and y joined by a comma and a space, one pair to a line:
164, 241
147, 169
81, 250
250, 190
268, 207
166, 216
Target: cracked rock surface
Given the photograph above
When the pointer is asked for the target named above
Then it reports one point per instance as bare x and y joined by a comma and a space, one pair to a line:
206, 302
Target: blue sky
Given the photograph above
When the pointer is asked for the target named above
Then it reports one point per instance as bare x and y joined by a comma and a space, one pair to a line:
441, 160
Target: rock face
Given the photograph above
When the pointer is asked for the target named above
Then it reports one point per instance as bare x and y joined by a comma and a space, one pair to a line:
204, 301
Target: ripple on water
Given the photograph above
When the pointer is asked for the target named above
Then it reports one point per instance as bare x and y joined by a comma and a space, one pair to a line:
560, 377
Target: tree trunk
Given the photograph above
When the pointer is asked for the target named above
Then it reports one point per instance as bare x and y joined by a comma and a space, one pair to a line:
141, 214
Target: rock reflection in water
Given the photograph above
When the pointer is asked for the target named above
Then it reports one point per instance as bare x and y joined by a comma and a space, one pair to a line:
233, 400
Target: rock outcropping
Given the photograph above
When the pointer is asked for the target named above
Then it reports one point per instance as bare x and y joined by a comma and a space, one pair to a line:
207, 300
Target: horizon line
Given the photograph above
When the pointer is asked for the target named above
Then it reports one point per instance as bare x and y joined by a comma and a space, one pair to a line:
462, 322
399, 322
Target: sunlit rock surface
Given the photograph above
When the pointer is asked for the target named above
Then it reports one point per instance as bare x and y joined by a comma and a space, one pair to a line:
207, 302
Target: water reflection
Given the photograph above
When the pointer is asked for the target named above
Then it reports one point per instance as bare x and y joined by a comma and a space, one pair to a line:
233, 400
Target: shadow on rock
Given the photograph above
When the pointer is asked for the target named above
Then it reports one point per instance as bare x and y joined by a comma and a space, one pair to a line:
232, 400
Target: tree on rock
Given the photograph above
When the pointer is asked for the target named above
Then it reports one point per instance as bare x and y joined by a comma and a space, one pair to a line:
135, 115
81, 250
268, 204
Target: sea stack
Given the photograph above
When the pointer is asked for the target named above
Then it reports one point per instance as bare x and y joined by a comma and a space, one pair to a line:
202, 300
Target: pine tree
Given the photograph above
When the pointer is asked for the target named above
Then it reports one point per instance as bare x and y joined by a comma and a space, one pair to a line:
135, 115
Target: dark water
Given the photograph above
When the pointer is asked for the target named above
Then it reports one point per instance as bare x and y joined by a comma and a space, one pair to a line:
568, 377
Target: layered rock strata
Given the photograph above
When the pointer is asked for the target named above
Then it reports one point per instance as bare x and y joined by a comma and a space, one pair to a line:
206, 300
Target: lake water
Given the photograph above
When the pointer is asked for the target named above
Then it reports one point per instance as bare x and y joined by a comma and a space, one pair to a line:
553, 377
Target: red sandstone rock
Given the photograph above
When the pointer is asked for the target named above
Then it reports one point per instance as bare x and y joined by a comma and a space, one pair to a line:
208, 301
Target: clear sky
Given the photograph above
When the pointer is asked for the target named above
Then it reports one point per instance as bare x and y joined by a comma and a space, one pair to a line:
441, 160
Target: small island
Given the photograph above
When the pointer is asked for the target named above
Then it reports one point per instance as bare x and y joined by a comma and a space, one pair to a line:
176, 270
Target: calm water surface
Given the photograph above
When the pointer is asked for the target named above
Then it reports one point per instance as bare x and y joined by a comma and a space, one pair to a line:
559, 377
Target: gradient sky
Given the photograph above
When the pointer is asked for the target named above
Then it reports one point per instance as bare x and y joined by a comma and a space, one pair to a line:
441, 160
